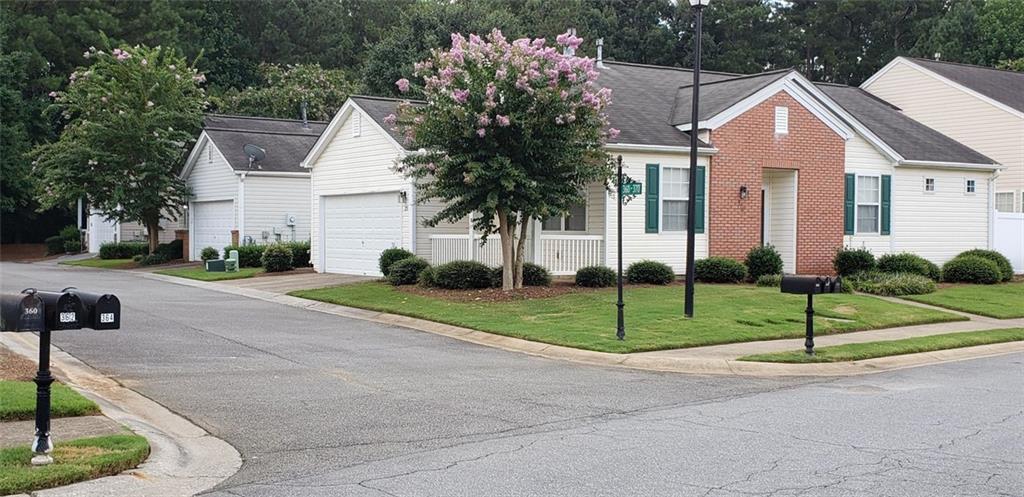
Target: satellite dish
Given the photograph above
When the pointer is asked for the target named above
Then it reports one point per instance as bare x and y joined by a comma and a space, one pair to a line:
256, 154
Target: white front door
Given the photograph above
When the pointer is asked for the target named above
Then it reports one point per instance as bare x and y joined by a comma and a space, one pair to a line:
357, 228
212, 223
780, 199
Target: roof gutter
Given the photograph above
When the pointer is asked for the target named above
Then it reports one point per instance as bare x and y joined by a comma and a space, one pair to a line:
639, 147
950, 165
283, 174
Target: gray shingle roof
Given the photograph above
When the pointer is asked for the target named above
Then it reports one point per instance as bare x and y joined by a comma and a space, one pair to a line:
717, 96
911, 139
286, 141
1006, 87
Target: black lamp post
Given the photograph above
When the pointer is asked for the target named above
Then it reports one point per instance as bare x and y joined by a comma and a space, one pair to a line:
691, 211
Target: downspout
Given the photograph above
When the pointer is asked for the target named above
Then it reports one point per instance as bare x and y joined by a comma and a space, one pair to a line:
241, 208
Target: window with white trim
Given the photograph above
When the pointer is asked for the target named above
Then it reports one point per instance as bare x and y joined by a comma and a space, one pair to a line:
675, 197
574, 220
970, 186
782, 120
869, 194
929, 185
1004, 201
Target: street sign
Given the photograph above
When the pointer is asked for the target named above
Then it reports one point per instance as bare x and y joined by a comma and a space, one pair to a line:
632, 189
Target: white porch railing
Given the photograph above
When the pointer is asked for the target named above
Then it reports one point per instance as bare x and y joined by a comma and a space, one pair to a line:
560, 254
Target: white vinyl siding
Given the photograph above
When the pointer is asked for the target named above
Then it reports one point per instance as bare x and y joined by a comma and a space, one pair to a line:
939, 225
357, 165
268, 200
675, 184
213, 179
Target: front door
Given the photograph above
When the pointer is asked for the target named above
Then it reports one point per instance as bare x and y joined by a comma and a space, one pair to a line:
779, 208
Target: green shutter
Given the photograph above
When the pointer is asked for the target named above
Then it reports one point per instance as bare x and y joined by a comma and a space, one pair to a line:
651, 199
849, 208
886, 203
698, 202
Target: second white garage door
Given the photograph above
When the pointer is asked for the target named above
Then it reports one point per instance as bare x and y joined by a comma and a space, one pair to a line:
212, 223
357, 228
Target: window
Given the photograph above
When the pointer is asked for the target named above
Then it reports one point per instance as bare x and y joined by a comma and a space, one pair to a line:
675, 188
970, 186
1004, 201
868, 203
929, 184
782, 120
574, 220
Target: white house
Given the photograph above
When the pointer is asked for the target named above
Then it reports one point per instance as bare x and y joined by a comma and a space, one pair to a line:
100, 230
806, 167
238, 200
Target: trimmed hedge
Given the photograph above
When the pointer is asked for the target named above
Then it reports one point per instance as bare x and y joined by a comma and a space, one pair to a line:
763, 260
719, 270
72, 246
774, 280
391, 256
276, 258
123, 250
650, 272
971, 269
1005, 268
851, 261
407, 271
533, 275
248, 255
595, 276
54, 245
891, 284
71, 240
171, 250
908, 263
461, 275
153, 259
209, 253
300, 253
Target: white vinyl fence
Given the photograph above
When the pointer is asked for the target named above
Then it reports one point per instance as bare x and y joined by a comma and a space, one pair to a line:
1008, 238
560, 254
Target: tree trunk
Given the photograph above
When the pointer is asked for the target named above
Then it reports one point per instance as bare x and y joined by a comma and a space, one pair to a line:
507, 256
521, 251
153, 230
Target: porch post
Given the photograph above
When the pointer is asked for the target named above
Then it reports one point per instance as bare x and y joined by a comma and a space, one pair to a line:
537, 247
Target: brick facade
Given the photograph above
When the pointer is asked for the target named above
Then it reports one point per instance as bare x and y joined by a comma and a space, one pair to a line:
748, 145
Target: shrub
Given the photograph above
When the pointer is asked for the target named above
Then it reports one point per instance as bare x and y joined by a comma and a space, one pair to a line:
123, 250
460, 275
277, 257
70, 232
426, 277
908, 263
763, 260
153, 259
171, 250
300, 253
209, 253
971, 269
248, 255
406, 271
54, 245
391, 256
774, 280
71, 240
138, 258
892, 284
72, 246
850, 261
595, 276
719, 270
652, 272
533, 275
1005, 268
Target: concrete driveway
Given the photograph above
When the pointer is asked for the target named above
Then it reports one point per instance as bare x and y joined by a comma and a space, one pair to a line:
289, 282
321, 405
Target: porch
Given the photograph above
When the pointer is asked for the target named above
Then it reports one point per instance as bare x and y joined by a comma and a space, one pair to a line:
561, 254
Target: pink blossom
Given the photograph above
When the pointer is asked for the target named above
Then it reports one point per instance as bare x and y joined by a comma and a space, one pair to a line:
431, 166
53, 94
483, 120
403, 85
481, 132
199, 78
500, 74
391, 119
491, 90
460, 96
613, 133
144, 62
502, 120
567, 39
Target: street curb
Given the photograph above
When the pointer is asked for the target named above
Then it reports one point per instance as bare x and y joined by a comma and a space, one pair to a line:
184, 459
647, 361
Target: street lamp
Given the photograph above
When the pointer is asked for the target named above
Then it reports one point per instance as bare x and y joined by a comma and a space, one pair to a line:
691, 211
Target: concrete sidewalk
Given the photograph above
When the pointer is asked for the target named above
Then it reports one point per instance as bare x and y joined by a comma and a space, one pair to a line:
20, 433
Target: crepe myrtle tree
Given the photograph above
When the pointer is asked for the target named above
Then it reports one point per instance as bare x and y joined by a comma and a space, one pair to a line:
129, 118
509, 132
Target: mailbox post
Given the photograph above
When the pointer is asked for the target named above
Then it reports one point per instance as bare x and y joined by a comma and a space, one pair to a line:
810, 285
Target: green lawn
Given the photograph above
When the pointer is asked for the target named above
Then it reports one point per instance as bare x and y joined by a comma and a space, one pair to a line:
74, 461
18, 401
869, 350
200, 273
1003, 301
654, 321
96, 262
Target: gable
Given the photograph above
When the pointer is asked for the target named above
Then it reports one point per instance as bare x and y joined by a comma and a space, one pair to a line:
208, 173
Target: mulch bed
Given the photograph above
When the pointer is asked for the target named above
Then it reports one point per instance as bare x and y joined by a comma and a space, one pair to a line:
15, 367
496, 294
24, 252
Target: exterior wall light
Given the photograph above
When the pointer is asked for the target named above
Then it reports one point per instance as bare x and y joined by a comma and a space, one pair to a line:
744, 192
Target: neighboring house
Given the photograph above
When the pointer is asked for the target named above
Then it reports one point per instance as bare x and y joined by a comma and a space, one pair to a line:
980, 107
235, 200
99, 230
805, 167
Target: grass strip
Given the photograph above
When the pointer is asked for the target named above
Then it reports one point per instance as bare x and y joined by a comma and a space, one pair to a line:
74, 461
18, 401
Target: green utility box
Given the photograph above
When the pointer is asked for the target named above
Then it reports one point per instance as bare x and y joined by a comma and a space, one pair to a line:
215, 266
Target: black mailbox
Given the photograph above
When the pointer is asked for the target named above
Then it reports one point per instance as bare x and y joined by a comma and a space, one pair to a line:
63, 310
102, 311
22, 312
809, 285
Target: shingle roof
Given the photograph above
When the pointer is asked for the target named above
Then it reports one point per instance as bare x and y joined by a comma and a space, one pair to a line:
1006, 87
286, 141
911, 139
379, 108
717, 96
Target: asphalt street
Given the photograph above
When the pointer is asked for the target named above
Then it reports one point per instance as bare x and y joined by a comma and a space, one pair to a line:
320, 405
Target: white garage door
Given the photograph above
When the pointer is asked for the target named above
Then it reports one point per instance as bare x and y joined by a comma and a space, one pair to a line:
212, 223
357, 228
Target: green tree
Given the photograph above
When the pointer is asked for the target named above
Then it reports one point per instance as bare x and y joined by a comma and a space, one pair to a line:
129, 120
1001, 25
285, 88
953, 35
510, 133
